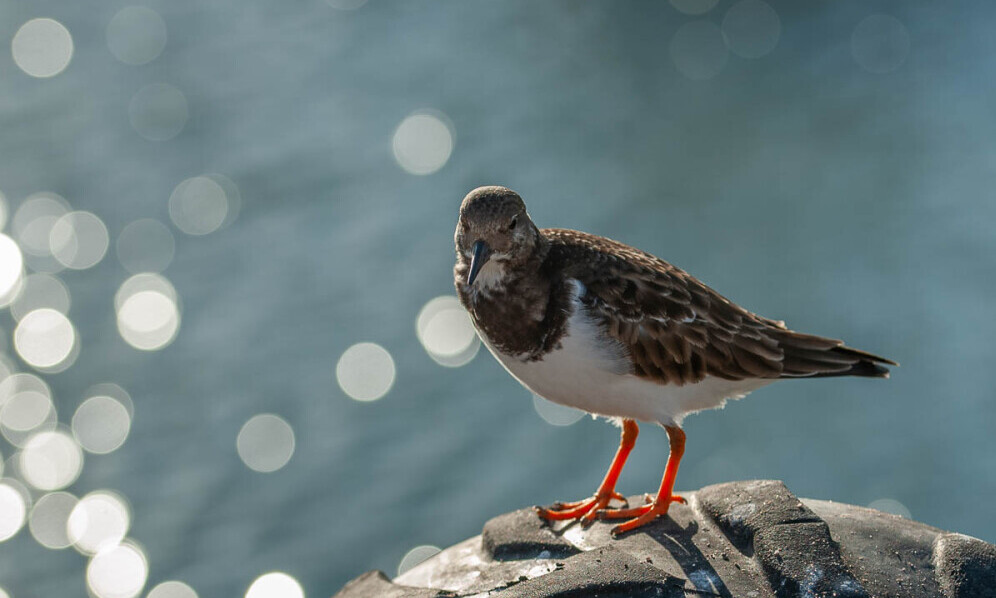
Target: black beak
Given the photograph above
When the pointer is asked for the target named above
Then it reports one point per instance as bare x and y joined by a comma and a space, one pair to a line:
481, 255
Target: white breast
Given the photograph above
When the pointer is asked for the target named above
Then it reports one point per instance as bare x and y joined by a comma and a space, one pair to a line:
590, 371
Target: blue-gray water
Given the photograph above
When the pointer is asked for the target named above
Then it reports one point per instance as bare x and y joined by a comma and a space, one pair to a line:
850, 203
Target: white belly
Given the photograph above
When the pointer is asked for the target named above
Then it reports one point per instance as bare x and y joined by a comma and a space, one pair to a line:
587, 373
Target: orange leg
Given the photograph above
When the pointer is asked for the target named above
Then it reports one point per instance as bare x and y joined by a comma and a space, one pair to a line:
658, 508
586, 510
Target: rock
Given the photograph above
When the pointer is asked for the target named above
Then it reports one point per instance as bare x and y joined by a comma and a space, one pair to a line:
750, 539
966, 566
522, 535
788, 540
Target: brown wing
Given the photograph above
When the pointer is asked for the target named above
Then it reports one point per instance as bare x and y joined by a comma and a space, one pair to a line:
678, 330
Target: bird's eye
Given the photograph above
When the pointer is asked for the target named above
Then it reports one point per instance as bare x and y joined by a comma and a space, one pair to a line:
511, 225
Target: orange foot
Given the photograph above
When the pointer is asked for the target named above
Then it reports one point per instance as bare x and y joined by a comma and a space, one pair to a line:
585, 511
640, 515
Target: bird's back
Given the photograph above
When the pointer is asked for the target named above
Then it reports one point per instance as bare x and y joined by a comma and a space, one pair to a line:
677, 330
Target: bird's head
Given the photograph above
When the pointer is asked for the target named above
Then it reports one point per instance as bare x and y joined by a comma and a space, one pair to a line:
494, 235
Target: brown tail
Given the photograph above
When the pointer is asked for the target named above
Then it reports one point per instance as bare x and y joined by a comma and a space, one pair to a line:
808, 356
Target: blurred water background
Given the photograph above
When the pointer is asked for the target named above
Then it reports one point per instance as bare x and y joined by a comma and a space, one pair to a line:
235, 219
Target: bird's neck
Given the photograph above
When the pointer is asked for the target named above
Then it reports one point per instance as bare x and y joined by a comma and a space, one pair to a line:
510, 306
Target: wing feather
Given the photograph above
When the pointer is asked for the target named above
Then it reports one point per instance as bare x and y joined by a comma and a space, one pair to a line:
677, 330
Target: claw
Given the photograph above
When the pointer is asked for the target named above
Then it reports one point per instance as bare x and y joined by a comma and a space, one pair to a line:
572, 512
559, 506
584, 511
639, 516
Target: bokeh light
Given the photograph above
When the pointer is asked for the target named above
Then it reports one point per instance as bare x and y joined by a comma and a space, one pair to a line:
275, 585
172, 589
148, 314
42, 48
556, 414
698, 50
446, 332
3, 211
423, 142
890, 505
136, 35
40, 291
26, 401
26, 411
694, 7
17, 382
6, 370
45, 339
365, 371
51, 460
11, 269
416, 556
751, 28
13, 511
78, 240
101, 424
33, 221
158, 112
198, 205
880, 44
49, 519
265, 443
118, 572
145, 245
99, 520
148, 320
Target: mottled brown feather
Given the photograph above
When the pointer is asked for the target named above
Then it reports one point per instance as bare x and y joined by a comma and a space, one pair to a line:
677, 330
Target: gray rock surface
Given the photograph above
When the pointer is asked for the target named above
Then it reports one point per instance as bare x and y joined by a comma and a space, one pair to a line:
750, 539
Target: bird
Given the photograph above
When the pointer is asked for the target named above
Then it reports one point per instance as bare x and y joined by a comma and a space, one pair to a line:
591, 323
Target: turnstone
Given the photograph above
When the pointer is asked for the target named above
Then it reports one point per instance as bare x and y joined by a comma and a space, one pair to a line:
592, 323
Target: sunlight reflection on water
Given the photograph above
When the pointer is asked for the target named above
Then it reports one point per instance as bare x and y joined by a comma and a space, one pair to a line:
12, 511
172, 589
275, 585
51, 460
136, 35
42, 47
49, 519
365, 372
446, 332
265, 443
98, 521
119, 571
